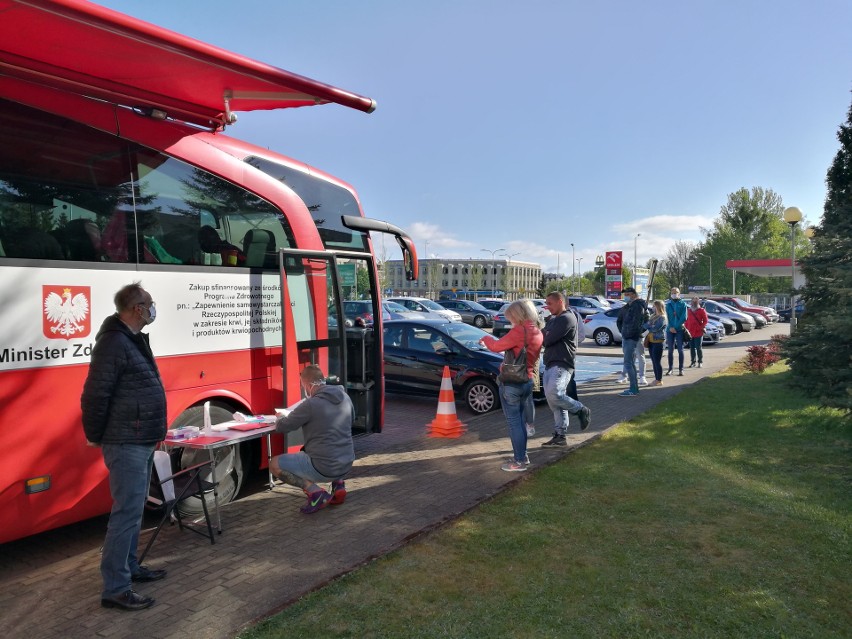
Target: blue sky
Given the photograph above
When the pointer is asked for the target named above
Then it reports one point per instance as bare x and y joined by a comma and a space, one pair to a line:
529, 126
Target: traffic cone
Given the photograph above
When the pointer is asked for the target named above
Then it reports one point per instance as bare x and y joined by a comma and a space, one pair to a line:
446, 422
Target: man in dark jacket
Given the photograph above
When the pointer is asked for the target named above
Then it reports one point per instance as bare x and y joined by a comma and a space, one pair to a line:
560, 347
629, 322
124, 413
325, 417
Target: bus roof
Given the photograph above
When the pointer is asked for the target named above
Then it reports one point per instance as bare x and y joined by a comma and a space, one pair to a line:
90, 50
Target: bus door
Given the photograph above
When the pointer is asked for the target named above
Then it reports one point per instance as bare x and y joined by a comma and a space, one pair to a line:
333, 300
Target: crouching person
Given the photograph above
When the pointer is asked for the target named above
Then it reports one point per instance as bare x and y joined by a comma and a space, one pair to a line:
326, 419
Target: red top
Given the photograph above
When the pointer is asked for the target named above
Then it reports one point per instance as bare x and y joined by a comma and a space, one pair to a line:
514, 340
696, 320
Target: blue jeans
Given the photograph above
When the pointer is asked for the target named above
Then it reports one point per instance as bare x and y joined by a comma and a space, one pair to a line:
671, 339
129, 468
556, 380
513, 398
655, 350
695, 346
629, 347
639, 360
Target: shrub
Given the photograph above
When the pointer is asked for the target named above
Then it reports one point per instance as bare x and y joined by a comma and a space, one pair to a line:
759, 357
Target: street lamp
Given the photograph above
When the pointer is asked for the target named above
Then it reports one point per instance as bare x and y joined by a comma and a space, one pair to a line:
792, 216
493, 268
579, 274
709, 257
573, 263
509, 257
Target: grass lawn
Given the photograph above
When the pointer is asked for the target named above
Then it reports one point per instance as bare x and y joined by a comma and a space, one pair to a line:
724, 512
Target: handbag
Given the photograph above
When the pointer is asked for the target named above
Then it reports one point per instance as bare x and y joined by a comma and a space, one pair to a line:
686, 333
514, 369
647, 341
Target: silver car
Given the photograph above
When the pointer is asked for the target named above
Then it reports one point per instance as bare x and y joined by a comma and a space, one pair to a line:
425, 305
743, 321
471, 312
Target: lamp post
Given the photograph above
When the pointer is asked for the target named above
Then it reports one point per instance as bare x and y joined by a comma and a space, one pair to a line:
709, 257
573, 264
493, 268
428, 269
509, 257
635, 260
792, 216
579, 275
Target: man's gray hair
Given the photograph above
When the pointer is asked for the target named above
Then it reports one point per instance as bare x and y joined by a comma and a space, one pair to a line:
129, 296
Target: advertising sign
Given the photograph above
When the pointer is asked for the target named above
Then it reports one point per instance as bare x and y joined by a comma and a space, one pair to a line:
640, 280
613, 274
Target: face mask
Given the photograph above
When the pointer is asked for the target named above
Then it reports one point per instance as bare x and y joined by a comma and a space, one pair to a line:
675, 296
152, 314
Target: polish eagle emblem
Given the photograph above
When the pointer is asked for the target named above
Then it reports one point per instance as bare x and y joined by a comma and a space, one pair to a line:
66, 314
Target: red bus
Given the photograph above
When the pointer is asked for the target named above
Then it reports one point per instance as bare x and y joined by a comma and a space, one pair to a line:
113, 169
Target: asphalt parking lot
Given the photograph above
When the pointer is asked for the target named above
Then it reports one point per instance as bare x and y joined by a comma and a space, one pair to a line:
404, 484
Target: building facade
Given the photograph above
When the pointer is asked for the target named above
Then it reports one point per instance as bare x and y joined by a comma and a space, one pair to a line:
463, 278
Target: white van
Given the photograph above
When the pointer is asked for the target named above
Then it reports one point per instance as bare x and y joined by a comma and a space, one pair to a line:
425, 305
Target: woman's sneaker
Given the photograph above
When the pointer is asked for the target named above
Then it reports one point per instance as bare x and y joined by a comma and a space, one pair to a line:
530, 430
338, 492
514, 467
316, 501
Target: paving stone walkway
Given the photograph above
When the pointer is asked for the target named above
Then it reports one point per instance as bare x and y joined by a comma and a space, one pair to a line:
403, 484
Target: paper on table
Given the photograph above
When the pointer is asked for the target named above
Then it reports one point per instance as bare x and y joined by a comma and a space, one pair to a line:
283, 412
207, 418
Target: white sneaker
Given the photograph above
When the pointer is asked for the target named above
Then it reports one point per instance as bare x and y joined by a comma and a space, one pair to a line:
622, 380
530, 430
643, 382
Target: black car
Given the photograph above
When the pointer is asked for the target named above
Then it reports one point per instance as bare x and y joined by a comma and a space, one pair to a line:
784, 313
415, 353
471, 312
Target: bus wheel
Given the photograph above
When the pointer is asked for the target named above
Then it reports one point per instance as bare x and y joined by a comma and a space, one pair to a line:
229, 467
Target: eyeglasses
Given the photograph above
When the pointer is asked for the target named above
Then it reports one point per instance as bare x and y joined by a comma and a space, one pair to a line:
148, 306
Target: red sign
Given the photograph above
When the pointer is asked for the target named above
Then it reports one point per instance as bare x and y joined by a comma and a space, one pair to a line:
613, 274
65, 311
613, 259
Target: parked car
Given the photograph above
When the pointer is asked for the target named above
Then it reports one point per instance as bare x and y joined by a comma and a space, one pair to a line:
492, 304
541, 306
471, 312
425, 305
729, 325
741, 305
503, 325
416, 351
604, 330
398, 311
585, 305
784, 313
358, 312
743, 321
603, 301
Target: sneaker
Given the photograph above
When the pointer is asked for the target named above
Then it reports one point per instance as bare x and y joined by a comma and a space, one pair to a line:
316, 501
680, 373
643, 382
656, 382
622, 380
556, 440
338, 492
692, 364
514, 467
585, 416
530, 430
628, 393
699, 364
526, 460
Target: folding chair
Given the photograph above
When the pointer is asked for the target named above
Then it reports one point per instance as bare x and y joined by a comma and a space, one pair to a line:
176, 487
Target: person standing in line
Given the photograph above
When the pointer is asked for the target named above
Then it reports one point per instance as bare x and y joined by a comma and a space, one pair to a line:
675, 317
656, 327
696, 320
515, 397
560, 348
124, 413
325, 417
638, 359
630, 324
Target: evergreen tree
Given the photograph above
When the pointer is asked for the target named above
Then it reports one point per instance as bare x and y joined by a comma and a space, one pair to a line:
820, 350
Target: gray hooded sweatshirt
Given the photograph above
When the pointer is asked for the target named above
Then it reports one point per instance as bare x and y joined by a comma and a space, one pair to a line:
326, 420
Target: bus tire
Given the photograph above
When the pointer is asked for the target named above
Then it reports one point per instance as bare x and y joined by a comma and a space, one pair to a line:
229, 466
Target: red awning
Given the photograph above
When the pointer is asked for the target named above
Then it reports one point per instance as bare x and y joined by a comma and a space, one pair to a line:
90, 50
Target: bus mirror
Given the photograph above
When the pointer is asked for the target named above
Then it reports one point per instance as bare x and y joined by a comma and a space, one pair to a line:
409, 253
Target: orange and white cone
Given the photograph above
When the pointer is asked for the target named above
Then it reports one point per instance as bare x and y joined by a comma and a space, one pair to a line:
446, 422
